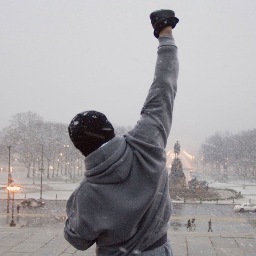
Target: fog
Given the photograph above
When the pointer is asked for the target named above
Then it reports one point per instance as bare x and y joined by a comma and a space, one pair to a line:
59, 58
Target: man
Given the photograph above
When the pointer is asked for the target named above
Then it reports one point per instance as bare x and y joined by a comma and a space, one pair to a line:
210, 225
189, 225
123, 203
193, 224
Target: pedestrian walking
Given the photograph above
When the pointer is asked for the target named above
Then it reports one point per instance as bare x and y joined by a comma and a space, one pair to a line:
189, 228
210, 225
18, 209
126, 181
193, 224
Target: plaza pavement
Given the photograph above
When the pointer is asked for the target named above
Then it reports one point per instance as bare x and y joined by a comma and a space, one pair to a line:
16, 241
24, 241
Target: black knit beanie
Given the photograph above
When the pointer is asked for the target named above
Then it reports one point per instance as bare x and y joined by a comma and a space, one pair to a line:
89, 130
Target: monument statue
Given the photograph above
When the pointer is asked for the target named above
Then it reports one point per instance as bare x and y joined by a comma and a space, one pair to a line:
177, 176
176, 149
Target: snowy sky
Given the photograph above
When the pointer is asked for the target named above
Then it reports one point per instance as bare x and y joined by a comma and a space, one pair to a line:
61, 57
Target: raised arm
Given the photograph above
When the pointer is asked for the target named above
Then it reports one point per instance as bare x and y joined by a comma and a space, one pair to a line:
156, 115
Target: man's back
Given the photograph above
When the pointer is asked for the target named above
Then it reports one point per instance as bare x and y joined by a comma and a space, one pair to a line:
123, 203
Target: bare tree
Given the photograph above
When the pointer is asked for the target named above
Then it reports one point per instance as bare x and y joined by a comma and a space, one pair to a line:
23, 135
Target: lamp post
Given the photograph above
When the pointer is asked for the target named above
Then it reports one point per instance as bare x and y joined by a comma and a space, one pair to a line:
66, 159
34, 170
9, 181
34, 175
61, 163
67, 174
77, 167
58, 166
13, 189
225, 167
41, 170
51, 168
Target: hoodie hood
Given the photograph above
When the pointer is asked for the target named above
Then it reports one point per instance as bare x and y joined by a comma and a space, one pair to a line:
111, 163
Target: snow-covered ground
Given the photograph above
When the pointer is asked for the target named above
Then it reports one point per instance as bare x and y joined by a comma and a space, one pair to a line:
62, 187
247, 189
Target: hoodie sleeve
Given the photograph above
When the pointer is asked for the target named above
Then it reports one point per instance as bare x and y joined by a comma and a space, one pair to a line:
74, 226
75, 239
156, 115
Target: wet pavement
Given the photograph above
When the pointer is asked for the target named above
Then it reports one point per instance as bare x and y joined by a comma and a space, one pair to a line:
40, 231
223, 218
52, 214
50, 242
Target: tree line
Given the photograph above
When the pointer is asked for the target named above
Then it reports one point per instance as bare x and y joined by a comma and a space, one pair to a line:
233, 152
42, 146
45, 146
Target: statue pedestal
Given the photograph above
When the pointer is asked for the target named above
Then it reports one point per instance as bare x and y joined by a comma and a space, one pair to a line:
177, 177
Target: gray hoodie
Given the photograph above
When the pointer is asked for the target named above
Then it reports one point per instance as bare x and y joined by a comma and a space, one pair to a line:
123, 202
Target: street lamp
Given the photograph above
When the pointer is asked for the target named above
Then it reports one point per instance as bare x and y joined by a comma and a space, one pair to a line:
66, 158
42, 169
51, 170
58, 166
13, 189
61, 163
225, 167
9, 178
67, 173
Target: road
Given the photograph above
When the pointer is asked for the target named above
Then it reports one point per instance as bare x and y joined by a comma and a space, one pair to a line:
224, 219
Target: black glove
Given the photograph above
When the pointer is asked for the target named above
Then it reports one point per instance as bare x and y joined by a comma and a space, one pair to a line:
161, 19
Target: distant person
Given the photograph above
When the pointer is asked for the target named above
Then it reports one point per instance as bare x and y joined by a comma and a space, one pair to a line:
189, 227
18, 208
123, 203
210, 225
193, 224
